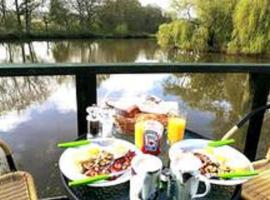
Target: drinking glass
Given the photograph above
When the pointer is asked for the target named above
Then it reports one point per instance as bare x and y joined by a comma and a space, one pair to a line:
176, 127
107, 122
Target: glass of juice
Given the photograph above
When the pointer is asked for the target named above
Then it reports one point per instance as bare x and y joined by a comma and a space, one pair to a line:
139, 134
176, 128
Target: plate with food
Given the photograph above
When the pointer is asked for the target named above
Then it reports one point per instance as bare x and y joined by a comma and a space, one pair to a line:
217, 162
101, 156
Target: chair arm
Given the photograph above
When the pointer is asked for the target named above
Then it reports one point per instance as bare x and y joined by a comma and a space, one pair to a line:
5, 148
260, 164
8, 154
268, 155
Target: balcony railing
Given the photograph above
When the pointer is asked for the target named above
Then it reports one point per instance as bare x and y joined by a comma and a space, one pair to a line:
86, 83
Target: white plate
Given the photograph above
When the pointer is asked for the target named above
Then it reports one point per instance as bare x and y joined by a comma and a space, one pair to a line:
226, 151
69, 166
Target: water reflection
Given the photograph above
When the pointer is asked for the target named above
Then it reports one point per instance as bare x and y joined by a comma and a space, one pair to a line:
108, 50
46, 116
226, 96
79, 51
17, 93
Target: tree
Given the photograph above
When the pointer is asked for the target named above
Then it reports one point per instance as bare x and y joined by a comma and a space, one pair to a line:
87, 12
152, 18
3, 12
59, 14
18, 15
26, 8
209, 22
251, 22
121, 12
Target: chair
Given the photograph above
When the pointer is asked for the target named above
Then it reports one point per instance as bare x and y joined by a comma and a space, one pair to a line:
15, 185
258, 188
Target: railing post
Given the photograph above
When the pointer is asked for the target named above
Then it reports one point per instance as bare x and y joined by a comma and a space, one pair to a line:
260, 84
86, 92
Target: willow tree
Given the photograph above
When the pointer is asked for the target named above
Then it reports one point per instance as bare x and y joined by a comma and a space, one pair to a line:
251, 22
211, 21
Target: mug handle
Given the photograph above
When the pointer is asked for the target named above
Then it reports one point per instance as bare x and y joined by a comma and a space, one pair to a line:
207, 187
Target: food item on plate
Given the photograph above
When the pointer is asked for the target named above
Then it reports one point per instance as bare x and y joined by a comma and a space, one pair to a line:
211, 168
106, 163
123, 162
97, 165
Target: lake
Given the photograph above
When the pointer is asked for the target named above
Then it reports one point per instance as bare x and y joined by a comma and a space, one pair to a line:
38, 112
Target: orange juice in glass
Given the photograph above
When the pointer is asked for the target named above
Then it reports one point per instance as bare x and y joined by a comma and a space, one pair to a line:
139, 134
176, 129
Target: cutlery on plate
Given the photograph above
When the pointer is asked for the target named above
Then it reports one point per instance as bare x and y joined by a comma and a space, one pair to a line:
211, 144
94, 179
73, 143
236, 174
219, 143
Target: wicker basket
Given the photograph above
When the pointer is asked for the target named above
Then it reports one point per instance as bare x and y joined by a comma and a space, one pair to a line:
126, 125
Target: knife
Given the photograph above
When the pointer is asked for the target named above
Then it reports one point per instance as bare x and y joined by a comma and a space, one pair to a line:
238, 174
73, 143
219, 143
94, 179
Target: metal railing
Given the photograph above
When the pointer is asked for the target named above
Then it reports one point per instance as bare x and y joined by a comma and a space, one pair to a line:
86, 83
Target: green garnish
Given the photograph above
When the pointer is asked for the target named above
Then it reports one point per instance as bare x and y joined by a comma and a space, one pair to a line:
73, 144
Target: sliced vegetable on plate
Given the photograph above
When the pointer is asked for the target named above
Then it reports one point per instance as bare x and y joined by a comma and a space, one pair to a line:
103, 156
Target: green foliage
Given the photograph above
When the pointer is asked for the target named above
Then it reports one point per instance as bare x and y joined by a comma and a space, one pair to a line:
184, 35
251, 34
79, 17
208, 30
165, 35
58, 15
38, 26
234, 26
130, 12
121, 29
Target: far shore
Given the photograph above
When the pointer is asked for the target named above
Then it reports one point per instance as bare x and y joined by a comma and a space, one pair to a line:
63, 36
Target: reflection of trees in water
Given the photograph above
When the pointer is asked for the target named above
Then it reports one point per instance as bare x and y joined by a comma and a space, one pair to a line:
82, 51
227, 96
176, 55
19, 92
107, 50
102, 51
101, 78
19, 52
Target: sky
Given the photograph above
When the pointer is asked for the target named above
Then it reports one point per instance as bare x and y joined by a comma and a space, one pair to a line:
162, 3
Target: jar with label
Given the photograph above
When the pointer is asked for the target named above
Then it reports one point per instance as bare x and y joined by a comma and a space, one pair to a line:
148, 136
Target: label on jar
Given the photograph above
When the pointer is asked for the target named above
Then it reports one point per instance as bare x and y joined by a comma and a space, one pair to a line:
151, 141
152, 137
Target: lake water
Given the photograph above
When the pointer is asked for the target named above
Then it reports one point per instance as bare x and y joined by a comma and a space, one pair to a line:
38, 112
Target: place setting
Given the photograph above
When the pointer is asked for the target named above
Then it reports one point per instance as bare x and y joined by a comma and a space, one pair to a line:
103, 161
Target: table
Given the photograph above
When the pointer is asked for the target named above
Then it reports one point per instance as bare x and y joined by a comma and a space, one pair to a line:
121, 192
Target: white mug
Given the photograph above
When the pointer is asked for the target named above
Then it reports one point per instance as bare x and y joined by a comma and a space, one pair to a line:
145, 177
186, 178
